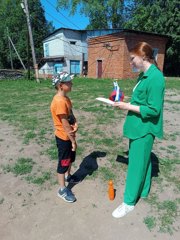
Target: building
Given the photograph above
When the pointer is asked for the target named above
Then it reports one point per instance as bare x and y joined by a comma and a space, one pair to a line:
108, 56
67, 50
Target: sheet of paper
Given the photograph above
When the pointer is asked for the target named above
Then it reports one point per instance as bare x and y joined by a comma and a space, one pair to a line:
105, 100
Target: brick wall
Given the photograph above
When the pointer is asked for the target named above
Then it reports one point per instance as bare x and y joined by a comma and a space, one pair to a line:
113, 50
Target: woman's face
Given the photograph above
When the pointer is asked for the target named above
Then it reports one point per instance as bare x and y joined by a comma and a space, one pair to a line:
136, 62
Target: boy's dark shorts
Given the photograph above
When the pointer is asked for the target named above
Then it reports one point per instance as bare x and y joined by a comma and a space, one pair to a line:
65, 155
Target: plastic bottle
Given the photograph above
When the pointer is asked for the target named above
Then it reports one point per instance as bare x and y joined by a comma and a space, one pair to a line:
111, 190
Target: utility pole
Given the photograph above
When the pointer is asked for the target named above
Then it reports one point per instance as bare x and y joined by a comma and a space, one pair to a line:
10, 49
17, 53
24, 5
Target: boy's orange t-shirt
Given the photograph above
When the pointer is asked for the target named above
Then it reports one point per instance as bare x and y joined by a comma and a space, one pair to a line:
60, 105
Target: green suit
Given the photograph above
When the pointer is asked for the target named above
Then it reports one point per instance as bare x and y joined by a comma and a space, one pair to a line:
141, 129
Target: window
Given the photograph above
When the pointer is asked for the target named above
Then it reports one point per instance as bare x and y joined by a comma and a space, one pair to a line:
155, 53
74, 67
73, 42
58, 67
46, 50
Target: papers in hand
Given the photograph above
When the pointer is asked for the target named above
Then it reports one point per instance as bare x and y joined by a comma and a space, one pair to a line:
105, 100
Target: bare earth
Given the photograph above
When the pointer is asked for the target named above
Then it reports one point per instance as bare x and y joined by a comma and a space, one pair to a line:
31, 212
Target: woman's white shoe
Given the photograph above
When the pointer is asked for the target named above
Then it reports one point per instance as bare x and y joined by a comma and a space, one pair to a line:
122, 210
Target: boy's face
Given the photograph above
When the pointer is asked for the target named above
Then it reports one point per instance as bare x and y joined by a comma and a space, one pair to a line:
66, 87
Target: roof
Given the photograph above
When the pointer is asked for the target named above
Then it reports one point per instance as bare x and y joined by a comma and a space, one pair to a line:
108, 29
54, 59
59, 29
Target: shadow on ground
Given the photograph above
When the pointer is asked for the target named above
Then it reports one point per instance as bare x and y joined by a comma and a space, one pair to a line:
87, 166
154, 160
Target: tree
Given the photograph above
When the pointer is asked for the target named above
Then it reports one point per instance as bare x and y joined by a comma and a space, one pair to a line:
101, 13
13, 18
162, 17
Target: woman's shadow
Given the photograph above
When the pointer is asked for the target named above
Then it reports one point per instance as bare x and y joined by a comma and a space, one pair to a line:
87, 166
154, 162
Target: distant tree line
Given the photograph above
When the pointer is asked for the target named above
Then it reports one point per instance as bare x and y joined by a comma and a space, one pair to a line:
13, 22
157, 16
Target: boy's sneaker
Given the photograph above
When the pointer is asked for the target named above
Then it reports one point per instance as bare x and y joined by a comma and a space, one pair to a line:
66, 195
72, 179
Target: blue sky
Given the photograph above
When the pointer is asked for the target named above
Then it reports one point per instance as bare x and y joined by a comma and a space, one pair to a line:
62, 18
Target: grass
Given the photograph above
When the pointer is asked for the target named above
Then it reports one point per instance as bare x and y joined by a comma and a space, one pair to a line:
172, 83
167, 213
1, 200
39, 180
25, 105
150, 222
21, 167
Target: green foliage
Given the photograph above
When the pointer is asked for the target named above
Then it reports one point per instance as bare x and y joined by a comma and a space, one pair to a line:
161, 17
101, 13
13, 18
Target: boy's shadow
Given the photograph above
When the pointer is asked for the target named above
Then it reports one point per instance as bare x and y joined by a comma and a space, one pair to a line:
87, 166
154, 162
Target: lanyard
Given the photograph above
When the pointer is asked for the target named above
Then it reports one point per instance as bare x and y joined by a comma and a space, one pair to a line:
136, 85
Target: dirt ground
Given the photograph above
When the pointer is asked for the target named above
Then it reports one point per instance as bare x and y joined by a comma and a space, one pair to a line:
31, 212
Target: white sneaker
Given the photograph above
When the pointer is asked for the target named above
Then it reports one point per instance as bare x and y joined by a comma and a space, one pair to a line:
122, 210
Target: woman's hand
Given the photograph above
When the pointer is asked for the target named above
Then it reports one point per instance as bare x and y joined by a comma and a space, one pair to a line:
127, 106
122, 105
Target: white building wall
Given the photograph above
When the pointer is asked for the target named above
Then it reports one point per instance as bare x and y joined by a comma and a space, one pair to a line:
60, 44
72, 51
47, 68
55, 45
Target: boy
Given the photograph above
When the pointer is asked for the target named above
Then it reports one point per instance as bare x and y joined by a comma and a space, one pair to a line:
65, 128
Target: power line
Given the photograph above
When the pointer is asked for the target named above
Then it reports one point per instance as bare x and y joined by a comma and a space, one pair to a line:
75, 45
83, 46
62, 14
55, 19
99, 41
67, 19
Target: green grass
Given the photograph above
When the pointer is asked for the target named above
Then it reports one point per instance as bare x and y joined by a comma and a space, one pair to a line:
21, 167
150, 222
52, 152
26, 105
106, 173
39, 180
1, 200
167, 213
172, 83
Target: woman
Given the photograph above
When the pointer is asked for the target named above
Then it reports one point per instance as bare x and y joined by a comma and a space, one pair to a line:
143, 123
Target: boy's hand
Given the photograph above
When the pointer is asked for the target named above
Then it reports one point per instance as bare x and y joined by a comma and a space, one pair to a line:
74, 146
74, 130
75, 127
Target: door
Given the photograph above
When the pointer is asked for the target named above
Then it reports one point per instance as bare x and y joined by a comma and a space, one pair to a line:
99, 68
74, 67
58, 67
